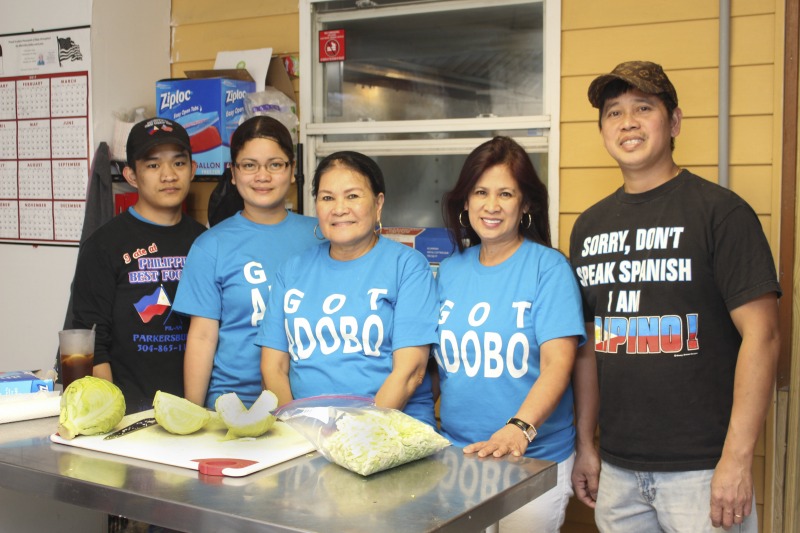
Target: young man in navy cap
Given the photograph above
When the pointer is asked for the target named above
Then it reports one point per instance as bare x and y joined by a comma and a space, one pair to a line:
128, 270
680, 289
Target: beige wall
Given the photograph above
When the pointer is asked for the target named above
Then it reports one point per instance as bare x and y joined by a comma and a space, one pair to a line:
682, 35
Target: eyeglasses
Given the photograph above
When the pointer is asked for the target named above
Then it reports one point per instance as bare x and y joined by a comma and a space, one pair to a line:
273, 166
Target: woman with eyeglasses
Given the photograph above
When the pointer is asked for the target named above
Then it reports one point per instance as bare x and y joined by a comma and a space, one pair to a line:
355, 315
228, 274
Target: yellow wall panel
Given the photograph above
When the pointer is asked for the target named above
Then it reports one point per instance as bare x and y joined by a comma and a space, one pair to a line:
696, 145
752, 40
575, 106
678, 45
766, 224
584, 187
752, 90
580, 14
710, 173
754, 184
565, 224
594, 14
698, 92
202, 41
752, 7
194, 11
751, 140
582, 146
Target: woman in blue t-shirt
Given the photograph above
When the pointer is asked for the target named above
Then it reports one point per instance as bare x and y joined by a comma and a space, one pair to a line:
510, 325
226, 279
357, 314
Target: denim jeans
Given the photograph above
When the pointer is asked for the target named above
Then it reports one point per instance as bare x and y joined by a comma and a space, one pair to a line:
546, 513
629, 501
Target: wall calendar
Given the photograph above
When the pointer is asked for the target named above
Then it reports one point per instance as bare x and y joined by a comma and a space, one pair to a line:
45, 135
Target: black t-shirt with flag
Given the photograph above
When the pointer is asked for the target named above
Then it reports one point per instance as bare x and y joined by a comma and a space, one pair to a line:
125, 282
660, 273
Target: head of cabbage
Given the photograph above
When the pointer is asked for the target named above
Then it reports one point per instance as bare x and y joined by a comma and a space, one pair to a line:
90, 406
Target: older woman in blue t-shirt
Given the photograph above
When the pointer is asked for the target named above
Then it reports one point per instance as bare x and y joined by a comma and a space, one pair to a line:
357, 314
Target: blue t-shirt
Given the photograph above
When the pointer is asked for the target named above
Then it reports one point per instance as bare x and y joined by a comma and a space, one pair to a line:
492, 322
227, 277
341, 321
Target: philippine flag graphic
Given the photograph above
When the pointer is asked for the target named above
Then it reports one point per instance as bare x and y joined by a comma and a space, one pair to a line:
153, 304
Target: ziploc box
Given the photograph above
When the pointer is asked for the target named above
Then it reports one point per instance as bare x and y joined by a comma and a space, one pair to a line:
434, 243
210, 105
12, 383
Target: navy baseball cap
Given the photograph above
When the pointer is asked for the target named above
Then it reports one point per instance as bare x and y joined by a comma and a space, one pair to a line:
153, 132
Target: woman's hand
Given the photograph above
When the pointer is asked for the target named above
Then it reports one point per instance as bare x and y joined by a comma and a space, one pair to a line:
507, 440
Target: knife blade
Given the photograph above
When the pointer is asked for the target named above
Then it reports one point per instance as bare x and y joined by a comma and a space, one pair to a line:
136, 426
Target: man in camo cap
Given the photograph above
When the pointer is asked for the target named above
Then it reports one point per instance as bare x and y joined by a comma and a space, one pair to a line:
680, 290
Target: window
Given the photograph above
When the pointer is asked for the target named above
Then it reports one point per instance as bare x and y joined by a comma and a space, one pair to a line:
422, 84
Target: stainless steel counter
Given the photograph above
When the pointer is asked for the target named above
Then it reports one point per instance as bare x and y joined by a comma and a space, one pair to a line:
445, 492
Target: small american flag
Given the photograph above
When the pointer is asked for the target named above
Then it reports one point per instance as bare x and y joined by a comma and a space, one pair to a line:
68, 50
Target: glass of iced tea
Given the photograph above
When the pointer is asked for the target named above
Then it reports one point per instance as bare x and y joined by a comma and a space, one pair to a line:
76, 347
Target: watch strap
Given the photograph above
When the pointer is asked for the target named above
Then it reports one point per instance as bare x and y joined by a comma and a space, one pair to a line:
528, 429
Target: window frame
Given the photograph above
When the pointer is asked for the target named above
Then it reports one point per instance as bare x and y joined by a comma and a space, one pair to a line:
312, 134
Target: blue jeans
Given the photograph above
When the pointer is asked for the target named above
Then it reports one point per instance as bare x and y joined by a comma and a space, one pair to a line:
629, 501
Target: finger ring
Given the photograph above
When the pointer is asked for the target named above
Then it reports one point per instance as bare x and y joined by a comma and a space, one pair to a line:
737, 516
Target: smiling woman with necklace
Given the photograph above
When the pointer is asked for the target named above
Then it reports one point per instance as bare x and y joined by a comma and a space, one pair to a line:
357, 314
509, 327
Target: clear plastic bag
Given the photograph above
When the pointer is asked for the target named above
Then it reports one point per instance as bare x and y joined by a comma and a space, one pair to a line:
273, 103
354, 433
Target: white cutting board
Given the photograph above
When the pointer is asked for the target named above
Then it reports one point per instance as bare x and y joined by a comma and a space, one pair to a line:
205, 450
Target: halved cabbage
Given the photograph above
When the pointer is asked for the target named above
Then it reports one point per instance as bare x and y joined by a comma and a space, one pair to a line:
90, 406
243, 422
178, 415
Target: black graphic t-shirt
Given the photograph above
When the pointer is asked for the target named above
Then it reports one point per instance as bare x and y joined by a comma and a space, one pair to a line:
125, 283
659, 273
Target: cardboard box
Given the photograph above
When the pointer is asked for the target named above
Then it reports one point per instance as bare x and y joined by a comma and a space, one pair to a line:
434, 243
210, 105
12, 383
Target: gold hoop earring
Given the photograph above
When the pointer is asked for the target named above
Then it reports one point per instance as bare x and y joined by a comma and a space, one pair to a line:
460, 221
317, 236
379, 229
530, 221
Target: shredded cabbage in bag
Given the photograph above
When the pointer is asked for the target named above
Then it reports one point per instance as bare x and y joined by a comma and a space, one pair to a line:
352, 432
380, 439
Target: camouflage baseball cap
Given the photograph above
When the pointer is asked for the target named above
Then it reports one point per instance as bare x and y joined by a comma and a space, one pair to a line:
646, 76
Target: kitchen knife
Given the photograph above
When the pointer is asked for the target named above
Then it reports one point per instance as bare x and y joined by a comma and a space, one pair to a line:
136, 426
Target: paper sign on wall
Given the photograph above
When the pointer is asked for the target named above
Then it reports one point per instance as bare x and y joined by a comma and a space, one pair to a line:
331, 45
